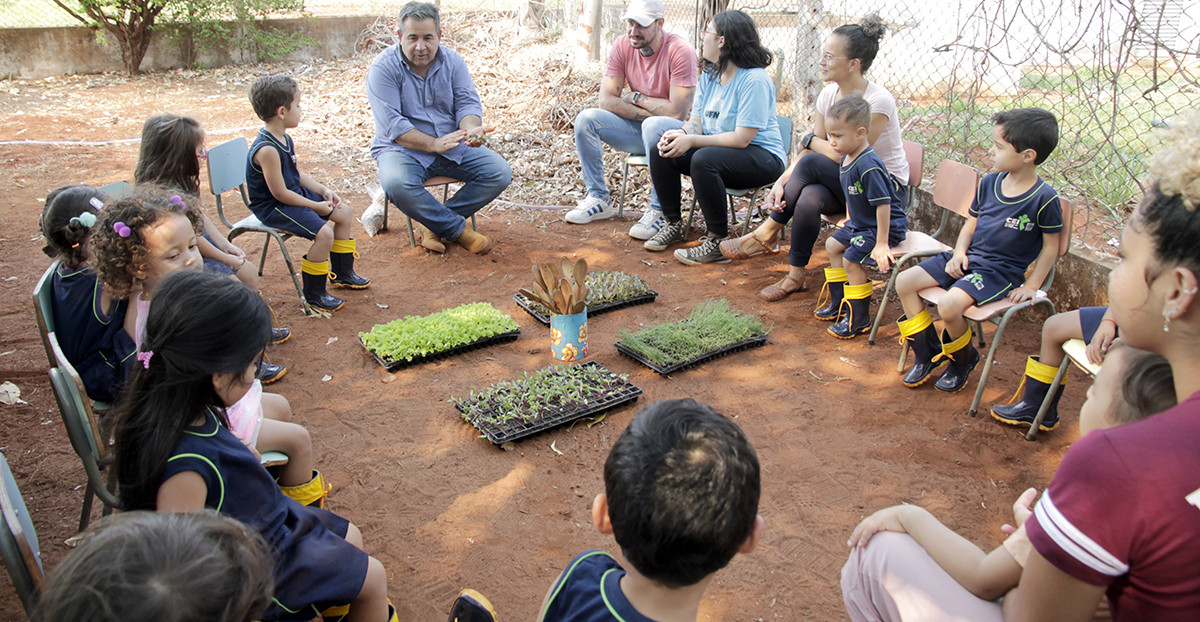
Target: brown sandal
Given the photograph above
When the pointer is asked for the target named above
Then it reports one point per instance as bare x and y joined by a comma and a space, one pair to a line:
748, 246
783, 289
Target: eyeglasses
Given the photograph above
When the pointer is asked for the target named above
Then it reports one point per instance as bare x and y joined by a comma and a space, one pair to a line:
713, 33
826, 57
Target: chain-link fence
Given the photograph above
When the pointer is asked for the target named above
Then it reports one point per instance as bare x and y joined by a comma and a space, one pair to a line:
1112, 72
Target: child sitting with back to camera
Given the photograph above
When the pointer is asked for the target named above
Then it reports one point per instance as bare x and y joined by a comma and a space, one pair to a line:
284, 198
877, 221
925, 566
138, 241
193, 567
88, 319
175, 453
681, 492
1014, 220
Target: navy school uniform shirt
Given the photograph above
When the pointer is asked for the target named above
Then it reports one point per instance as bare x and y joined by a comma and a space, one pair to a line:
590, 591
1009, 229
261, 199
93, 341
866, 185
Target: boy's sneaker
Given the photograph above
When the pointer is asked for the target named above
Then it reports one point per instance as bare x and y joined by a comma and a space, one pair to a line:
709, 251
670, 233
589, 209
649, 224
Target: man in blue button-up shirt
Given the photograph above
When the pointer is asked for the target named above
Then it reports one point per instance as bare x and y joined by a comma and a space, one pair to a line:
427, 117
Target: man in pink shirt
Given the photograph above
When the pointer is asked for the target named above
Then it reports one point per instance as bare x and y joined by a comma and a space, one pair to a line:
660, 69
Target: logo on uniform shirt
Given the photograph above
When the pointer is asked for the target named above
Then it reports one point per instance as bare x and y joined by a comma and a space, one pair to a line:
975, 279
1023, 223
854, 189
293, 158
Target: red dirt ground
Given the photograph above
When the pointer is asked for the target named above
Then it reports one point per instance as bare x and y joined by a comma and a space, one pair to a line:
837, 435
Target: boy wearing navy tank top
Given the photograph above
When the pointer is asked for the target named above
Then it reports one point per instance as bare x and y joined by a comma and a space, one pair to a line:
877, 221
681, 498
1015, 220
284, 198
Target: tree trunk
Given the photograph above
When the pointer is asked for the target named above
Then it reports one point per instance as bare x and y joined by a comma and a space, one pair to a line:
531, 14
808, 59
708, 8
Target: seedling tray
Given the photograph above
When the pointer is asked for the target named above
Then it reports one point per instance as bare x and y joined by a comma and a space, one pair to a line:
603, 307
516, 429
738, 346
393, 365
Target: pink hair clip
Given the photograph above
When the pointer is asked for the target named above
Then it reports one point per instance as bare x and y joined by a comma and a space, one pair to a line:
122, 229
178, 201
144, 357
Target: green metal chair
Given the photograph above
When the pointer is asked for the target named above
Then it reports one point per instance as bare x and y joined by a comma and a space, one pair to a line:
432, 182
227, 171
18, 541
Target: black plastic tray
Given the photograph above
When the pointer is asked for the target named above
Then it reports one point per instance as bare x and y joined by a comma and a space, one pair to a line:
603, 307
516, 430
745, 344
392, 365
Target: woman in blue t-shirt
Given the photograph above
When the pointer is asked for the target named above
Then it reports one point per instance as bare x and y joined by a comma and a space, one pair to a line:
732, 139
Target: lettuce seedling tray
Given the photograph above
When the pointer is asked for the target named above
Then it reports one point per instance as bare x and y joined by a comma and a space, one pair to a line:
745, 344
535, 309
556, 395
393, 365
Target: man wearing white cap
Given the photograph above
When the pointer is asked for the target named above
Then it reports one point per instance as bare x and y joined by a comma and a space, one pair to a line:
660, 70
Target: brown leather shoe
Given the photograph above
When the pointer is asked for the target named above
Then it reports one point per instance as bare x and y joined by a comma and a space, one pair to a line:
748, 246
783, 289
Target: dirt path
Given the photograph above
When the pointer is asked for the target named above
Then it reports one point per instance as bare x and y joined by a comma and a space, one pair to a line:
837, 434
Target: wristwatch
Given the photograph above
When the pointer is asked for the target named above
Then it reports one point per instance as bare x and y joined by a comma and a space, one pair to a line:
807, 140
635, 97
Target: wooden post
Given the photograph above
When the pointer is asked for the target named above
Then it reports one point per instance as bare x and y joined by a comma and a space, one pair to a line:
808, 59
589, 29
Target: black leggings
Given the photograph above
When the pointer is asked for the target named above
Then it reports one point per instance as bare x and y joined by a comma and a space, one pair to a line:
815, 188
712, 169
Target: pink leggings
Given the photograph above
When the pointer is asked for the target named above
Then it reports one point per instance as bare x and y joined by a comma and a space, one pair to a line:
894, 579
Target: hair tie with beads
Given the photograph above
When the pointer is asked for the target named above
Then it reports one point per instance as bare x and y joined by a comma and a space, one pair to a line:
86, 219
144, 357
122, 229
178, 201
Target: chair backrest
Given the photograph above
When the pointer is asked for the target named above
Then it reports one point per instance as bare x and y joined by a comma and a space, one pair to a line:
83, 426
226, 171
116, 189
955, 187
785, 130
915, 154
43, 308
18, 541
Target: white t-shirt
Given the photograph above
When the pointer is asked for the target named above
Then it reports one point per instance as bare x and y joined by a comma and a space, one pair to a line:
888, 146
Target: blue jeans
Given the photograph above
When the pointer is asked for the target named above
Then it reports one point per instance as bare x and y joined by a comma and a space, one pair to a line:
594, 125
484, 172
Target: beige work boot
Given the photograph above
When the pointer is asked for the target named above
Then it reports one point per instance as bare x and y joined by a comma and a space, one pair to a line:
475, 242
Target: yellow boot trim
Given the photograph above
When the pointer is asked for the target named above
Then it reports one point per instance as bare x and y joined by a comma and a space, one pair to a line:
313, 491
314, 267
832, 275
1036, 369
908, 328
948, 349
857, 292
336, 613
345, 246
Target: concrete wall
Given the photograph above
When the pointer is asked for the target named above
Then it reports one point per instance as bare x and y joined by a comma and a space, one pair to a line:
42, 52
1079, 280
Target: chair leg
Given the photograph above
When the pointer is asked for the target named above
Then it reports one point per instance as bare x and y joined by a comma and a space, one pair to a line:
903, 357
86, 515
733, 221
262, 259
287, 259
412, 237
624, 180
887, 289
1045, 407
387, 204
691, 213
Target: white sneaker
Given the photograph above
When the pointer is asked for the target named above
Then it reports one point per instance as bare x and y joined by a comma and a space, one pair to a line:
649, 225
589, 209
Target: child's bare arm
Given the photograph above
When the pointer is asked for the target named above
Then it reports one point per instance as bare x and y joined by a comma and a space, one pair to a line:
987, 576
1041, 269
958, 264
268, 162
321, 189
182, 492
882, 253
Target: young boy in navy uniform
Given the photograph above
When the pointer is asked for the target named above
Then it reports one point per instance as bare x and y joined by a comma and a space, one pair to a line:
877, 221
1015, 219
284, 198
681, 498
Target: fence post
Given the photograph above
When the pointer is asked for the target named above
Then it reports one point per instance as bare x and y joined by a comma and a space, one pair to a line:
808, 58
